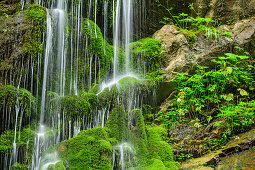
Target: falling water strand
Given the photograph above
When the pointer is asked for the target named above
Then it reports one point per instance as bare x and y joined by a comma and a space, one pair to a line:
127, 28
116, 25
39, 141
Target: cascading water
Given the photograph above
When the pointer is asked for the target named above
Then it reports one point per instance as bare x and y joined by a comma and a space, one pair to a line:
65, 47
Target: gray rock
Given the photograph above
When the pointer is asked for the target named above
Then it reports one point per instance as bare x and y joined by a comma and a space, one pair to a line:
179, 56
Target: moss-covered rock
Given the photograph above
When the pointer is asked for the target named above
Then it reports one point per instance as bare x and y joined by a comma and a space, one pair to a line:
118, 123
18, 166
128, 83
74, 105
7, 137
37, 15
21, 37
58, 166
9, 95
146, 50
98, 45
91, 149
158, 148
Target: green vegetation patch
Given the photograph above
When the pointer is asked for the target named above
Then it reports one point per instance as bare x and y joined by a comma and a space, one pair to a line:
58, 166
118, 123
18, 166
9, 95
37, 15
75, 105
7, 137
91, 149
159, 149
146, 50
99, 46
128, 83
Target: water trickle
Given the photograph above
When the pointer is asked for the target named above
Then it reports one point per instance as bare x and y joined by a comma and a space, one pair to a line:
122, 156
58, 70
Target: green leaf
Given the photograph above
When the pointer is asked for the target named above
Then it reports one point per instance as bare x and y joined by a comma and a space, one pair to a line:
228, 97
243, 92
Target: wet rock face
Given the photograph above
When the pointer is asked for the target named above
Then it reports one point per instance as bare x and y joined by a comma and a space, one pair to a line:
239, 153
175, 46
225, 10
8, 6
243, 160
12, 39
180, 56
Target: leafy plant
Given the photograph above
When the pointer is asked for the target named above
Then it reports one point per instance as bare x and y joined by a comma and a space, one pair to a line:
239, 117
190, 26
205, 89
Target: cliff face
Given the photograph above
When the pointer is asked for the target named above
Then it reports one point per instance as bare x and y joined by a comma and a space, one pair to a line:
20, 37
226, 10
180, 56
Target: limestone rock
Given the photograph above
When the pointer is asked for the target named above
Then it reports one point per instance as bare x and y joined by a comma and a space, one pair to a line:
175, 46
237, 154
180, 56
225, 10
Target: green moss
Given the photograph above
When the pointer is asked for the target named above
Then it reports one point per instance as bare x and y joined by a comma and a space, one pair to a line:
128, 83
190, 36
10, 94
154, 78
98, 45
118, 123
7, 137
91, 98
138, 136
91, 149
95, 89
37, 15
108, 97
156, 164
146, 50
18, 166
73, 105
58, 166
158, 148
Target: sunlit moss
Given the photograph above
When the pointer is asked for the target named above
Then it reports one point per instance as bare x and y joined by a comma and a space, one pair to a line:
58, 166
18, 166
72, 104
91, 149
7, 137
118, 123
146, 50
158, 148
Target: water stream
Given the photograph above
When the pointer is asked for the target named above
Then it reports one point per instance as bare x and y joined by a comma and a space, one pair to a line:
60, 72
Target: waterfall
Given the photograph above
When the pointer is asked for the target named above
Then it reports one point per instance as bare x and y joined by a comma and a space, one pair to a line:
127, 28
69, 65
116, 25
39, 138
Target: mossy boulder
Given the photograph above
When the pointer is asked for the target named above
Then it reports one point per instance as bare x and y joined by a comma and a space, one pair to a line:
10, 94
158, 148
146, 50
58, 166
18, 166
118, 123
128, 83
91, 149
98, 45
21, 36
75, 105
7, 138
37, 15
